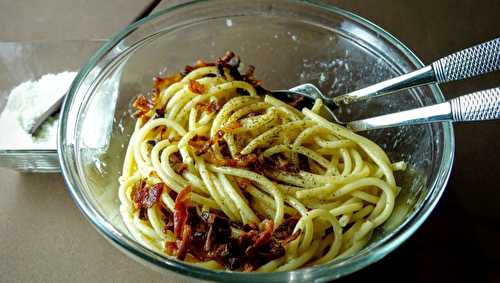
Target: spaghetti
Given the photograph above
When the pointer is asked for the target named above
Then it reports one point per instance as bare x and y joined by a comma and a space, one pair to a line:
220, 174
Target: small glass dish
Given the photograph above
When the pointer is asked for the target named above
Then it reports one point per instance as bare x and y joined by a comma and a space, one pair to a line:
289, 42
23, 61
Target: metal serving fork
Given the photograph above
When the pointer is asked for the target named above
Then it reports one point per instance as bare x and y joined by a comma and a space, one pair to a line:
470, 62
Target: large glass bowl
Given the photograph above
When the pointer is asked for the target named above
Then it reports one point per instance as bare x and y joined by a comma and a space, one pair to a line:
290, 43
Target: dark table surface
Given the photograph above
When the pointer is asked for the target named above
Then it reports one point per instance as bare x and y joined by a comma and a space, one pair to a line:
459, 242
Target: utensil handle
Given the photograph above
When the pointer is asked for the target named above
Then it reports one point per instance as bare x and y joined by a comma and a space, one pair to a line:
474, 61
470, 62
418, 77
422, 115
477, 106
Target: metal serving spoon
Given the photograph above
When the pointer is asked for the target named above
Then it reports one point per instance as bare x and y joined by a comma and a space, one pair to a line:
470, 62
477, 106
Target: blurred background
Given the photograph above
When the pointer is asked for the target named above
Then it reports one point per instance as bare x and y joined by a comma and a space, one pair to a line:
43, 237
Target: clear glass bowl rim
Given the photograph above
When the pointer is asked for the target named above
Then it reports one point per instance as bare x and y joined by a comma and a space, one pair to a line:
320, 273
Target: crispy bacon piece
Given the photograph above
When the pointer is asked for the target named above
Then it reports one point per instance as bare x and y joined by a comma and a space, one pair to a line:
229, 61
214, 106
174, 139
232, 62
261, 239
152, 143
247, 238
220, 70
181, 205
208, 237
224, 148
242, 91
143, 105
247, 267
303, 163
156, 97
284, 164
250, 73
168, 220
188, 69
162, 130
196, 87
139, 193
275, 161
209, 107
209, 156
243, 183
291, 237
175, 158
296, 102
170, 248
249, 77
204, 149
228, 162
153, 195
202, 107
251, 226
180, 168
228, 56
160, 113
143, 214
145, 197
160, 83
243, 161
248, 159
201, 144
259, 246
199, 141
229, 128
271, 250
208, 246
183, 243
173, 194
221, 251
220, 134
176, 163
285, 230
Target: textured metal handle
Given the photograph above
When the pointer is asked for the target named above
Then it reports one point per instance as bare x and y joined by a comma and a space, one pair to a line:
470, 62
477, 106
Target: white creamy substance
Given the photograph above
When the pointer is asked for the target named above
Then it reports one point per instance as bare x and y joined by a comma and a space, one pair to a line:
28, 101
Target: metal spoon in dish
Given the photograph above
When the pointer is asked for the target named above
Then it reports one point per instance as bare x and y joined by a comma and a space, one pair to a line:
470, 62
478, 106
